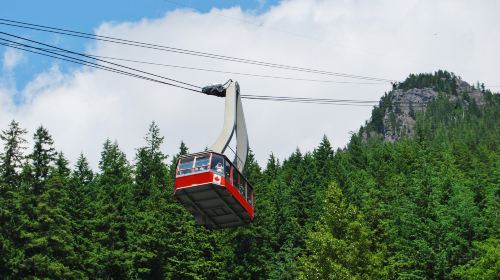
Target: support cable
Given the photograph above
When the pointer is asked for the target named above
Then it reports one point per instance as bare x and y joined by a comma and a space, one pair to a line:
67, 32
97, 59
304, 100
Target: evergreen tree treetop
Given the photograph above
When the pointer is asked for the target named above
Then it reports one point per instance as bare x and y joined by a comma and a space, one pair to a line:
324, 151
11, 159
62, 163
42, 158
151, 167
440, 80
183, 150
154, 141
113, 164
82, 172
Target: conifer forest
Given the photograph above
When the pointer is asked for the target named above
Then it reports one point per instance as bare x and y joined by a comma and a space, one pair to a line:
414, 195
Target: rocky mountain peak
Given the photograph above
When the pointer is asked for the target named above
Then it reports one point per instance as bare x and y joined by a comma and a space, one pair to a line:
395, 117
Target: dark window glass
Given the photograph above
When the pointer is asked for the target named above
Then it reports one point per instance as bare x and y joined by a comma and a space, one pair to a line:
250, 196
185, 166
228, 171
243, 187
217, 165
201, 163
235, 177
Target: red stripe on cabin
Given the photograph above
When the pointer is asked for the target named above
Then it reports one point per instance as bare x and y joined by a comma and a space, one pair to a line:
204, 178
236, 194
192, 180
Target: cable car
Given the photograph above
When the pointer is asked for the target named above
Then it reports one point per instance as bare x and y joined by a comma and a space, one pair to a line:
213, 190
208, 184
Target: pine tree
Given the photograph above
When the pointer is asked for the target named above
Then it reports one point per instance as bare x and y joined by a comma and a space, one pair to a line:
49, 250
42, 158
82, 173
150, 168
357, 155
289, 216
62, 168
316, 182
148, 235
12, 157
11, 216
111, 255
323, 160
48, 241
115, 169
339, 246
82, 208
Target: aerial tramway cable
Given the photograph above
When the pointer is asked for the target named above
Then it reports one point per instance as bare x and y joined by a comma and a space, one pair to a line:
182, 51
97, 59
226, 72
237, 73
93, 65
58, 55
43, 28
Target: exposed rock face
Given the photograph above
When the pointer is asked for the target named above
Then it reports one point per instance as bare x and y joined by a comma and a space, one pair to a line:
399, 118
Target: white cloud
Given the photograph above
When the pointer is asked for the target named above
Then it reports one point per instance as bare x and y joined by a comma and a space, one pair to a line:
11, 58
388, 39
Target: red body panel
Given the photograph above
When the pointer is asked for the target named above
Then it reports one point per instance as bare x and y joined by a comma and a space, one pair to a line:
193, 180
207, 177
236, 194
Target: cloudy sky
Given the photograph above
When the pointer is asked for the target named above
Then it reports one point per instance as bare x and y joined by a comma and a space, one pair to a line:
82, 107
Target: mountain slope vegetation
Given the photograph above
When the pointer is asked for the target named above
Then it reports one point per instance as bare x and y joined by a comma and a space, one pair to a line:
405, 199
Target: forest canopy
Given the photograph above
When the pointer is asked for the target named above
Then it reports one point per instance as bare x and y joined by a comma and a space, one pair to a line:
421, 207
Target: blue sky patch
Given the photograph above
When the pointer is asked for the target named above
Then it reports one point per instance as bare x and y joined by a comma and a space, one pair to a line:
85, 16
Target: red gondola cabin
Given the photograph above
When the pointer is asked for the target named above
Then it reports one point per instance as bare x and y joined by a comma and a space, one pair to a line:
213, 190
